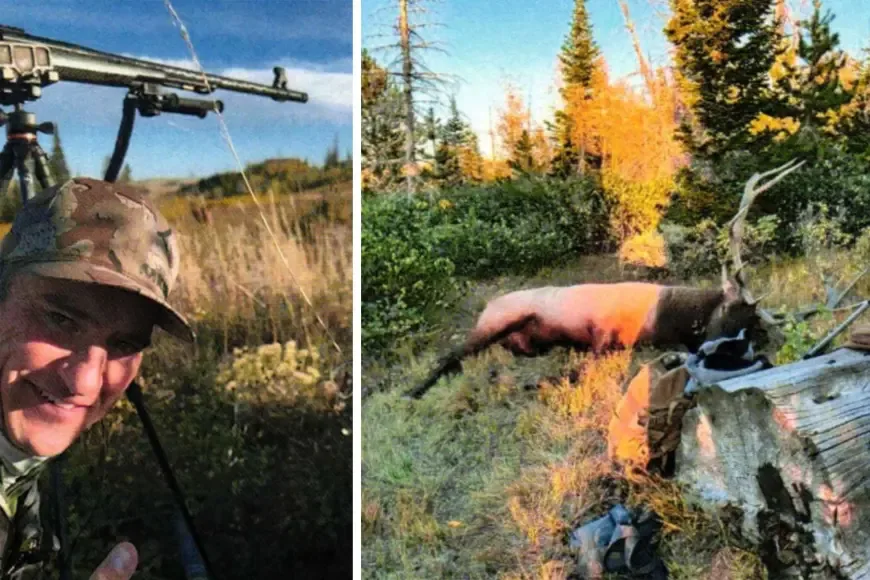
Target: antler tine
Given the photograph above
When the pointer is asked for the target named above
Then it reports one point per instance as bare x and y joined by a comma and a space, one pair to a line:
785, 170
737, 224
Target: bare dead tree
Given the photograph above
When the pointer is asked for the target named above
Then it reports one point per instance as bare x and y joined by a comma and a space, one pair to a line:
645, 70
419, 84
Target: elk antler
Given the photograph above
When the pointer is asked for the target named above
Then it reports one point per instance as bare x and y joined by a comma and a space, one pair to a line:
737, 225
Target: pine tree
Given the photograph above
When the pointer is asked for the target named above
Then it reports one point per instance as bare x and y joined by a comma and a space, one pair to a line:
578, 56
382, 137
522, 161
332, 159
566, 157
126, 175
374, 80
431, 127
57, 160
454, 135
724, 52
579, 51
813, 87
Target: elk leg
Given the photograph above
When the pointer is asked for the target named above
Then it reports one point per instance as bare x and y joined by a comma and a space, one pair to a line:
451, 363
519, 342
448, 365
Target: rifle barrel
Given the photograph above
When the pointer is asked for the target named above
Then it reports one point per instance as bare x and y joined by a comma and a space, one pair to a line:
85, 65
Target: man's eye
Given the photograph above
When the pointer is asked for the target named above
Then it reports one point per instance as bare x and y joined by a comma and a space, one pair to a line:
126, 348
61, 321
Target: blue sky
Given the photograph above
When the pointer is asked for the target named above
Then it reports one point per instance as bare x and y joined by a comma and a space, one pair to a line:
491, 43
312, 39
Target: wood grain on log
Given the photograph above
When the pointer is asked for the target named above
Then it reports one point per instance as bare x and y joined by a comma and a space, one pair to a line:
790, 447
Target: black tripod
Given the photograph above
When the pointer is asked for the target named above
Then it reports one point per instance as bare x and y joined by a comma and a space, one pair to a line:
23, 150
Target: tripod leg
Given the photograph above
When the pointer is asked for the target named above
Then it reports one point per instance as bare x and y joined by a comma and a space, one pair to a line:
25, 176
7, 165
40, 164
122, 141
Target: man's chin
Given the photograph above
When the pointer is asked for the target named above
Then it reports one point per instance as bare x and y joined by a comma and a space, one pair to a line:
45, 448
42, 442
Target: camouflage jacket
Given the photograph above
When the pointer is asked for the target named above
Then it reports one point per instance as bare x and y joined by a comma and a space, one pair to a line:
28, 549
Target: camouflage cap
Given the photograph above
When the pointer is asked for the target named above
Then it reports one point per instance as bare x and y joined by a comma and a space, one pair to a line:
105, 233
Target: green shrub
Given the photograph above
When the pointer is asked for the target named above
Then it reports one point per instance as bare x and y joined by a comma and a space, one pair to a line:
831, 176
403, 277
417, 252
701, 249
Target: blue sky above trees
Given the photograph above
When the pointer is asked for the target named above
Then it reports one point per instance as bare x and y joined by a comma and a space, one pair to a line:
518, 41
312, 39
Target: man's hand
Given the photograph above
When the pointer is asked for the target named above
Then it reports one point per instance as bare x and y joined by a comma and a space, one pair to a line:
120, 564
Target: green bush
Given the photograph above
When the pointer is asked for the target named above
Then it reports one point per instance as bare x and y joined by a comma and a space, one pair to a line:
830, 176
416, 252
403, 277
702, 248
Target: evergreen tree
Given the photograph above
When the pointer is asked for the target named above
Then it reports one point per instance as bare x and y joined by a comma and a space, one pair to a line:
57, 160
454, 135
431, 127
578, 56
566, 157
332, 159
382, 137
126, 175
579, 50
522, 161
724, 52
812, 86
374, 80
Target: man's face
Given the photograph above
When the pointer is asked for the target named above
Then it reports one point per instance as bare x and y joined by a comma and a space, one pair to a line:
68, 350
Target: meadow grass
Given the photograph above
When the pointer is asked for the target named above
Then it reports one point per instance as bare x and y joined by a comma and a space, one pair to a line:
488, 473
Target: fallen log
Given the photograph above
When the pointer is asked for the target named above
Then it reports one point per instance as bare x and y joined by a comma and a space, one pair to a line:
789, 447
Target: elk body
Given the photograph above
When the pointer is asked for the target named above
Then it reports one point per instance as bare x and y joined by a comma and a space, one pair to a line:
601, 317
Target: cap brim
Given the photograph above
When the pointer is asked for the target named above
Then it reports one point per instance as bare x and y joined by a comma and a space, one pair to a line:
170, 320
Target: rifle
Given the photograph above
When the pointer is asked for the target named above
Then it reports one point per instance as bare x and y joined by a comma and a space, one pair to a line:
30, 63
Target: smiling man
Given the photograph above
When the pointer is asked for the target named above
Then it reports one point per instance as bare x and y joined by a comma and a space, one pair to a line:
85, 274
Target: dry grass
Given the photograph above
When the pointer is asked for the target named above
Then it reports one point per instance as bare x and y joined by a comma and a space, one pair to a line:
249, 282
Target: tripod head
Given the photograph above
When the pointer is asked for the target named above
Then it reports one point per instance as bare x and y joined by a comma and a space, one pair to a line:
20, 122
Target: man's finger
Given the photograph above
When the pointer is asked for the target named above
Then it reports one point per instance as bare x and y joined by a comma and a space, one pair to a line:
120, 564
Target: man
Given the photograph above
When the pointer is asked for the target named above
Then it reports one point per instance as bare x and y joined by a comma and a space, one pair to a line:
85, 273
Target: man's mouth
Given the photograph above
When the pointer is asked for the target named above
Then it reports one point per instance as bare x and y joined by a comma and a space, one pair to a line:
49, 398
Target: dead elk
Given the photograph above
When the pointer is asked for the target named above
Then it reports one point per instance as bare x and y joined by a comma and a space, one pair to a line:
600, 317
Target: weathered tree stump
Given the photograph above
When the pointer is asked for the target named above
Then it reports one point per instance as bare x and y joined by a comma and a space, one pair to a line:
790, 448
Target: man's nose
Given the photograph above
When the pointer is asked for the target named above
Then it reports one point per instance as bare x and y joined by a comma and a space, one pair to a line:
83, 371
